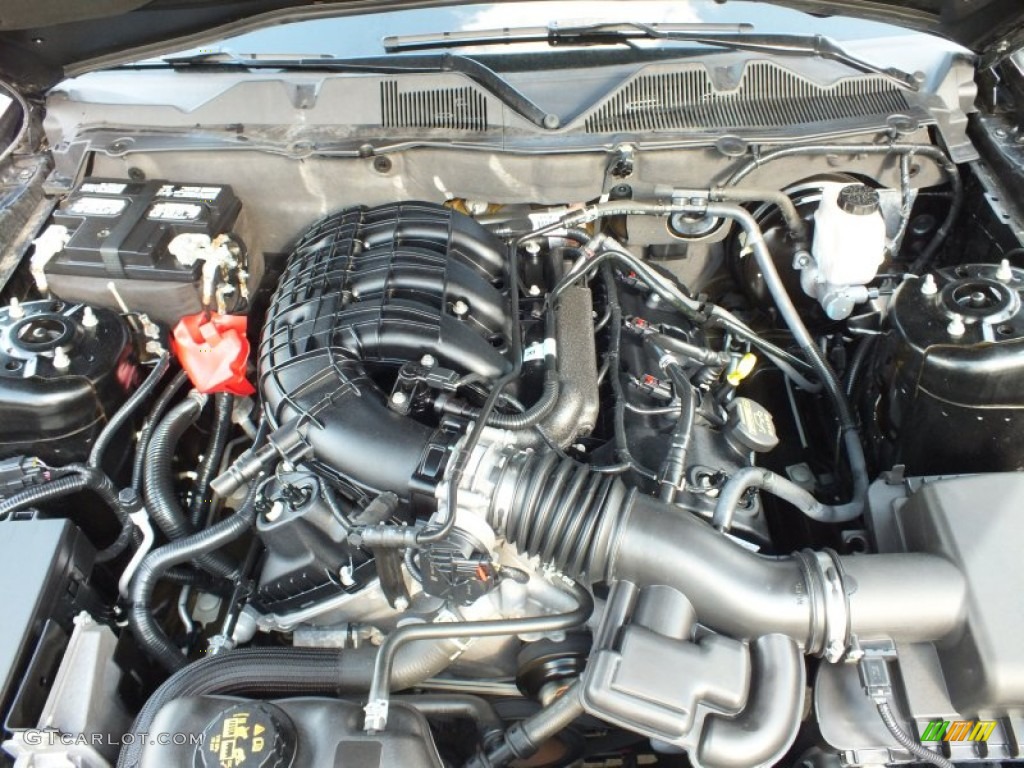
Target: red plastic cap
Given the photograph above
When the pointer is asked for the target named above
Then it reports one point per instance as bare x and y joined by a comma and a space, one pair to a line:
213, 350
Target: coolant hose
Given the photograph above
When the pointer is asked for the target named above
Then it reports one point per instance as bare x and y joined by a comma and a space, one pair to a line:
450, 705
144, 626
158, 484
268, 672
127, 410
223, 406
160, 406
185, 576
524, 739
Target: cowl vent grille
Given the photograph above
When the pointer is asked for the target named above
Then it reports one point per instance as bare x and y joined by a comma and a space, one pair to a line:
455, 109
768, 96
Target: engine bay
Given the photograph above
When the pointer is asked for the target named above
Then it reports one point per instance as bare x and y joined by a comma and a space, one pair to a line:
713, 461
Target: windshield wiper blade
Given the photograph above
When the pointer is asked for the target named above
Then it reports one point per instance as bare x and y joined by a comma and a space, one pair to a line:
556, 34
736, 37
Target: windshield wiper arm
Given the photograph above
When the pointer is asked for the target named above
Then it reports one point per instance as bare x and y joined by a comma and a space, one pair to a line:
446, 62
732, 36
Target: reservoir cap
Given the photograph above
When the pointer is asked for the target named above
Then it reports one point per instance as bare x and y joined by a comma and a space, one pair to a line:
248, 735
858, 199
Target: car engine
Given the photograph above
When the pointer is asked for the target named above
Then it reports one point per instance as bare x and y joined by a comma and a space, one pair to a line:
720, 470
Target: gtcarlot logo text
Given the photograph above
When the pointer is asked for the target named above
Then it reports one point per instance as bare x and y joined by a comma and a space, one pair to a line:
43, 738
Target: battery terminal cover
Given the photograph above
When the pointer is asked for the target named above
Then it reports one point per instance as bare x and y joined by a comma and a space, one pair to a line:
214, 350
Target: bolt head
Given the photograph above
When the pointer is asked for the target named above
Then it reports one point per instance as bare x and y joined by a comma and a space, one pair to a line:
928, 286
89, 319
1004, 273
956, 327
401, 604
61, 361
428, 361
399, 398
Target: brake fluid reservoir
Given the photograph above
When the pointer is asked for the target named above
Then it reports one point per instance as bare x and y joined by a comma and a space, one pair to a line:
849, 235
849, 245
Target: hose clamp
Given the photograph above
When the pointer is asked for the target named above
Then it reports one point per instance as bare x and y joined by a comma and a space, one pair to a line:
830, 608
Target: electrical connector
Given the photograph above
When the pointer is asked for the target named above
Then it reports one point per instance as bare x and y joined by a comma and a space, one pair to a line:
20, 472
873, 667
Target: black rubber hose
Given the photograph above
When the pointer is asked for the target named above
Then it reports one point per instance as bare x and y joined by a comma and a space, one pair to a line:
152, 419
223, 406
184, 576
524, 739
489, 725
147, 631
912, 745
126, 411
670, 478
158, 485
860, 356
73, 479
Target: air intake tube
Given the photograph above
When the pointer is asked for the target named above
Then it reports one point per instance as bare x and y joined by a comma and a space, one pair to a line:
594, 528
366, 291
